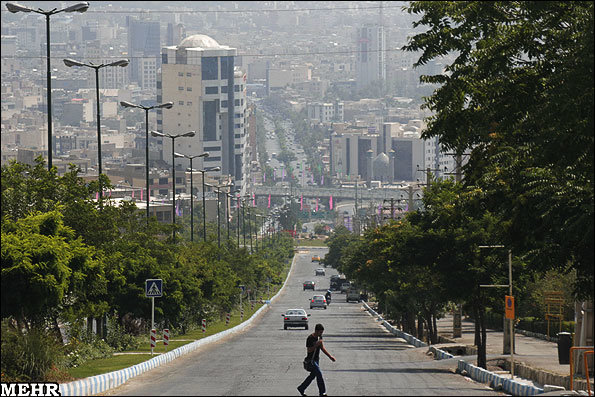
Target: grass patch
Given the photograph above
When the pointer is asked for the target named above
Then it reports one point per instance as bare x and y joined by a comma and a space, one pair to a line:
121, 361
105, 365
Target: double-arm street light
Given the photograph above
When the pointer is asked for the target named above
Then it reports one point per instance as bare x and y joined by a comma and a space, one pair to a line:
218, 191
79, 7
167, 105
122, 63
173, 166
204, 213
205, 154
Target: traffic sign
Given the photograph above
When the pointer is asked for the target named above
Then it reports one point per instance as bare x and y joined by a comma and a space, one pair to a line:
154, 288
509, 307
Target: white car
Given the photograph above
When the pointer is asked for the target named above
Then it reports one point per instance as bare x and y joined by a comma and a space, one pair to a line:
318, 301
320, 271
295, 318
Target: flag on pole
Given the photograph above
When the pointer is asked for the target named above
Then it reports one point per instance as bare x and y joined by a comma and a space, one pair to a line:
301, 202
269, 204
264, 176
316, 204
253, 200
322, 179
132, 193
330, 202
97, 196
141, 195
178, 208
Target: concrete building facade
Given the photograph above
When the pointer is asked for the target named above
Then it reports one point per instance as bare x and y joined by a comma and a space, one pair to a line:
209, 96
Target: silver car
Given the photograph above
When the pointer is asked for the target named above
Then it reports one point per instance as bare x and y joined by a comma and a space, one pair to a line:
318, 301
295, 318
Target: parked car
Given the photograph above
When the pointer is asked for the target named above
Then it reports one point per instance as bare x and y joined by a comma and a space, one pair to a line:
309, 285
315, 259
320, 271
335, 282
353, 294
318, 301
345, 286
295, 318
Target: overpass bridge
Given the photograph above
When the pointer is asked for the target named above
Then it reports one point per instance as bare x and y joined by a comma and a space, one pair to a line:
404, 192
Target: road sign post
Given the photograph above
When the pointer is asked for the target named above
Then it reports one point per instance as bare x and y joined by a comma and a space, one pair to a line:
153, 289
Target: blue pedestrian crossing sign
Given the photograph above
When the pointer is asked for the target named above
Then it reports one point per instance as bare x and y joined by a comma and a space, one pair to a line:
154, 288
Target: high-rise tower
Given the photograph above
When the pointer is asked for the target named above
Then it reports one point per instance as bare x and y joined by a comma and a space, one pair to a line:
371, 55
209, 96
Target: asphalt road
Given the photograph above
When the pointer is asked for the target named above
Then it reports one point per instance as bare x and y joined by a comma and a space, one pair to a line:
267, 360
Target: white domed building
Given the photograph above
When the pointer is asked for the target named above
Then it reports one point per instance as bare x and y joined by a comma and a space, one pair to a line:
209, 96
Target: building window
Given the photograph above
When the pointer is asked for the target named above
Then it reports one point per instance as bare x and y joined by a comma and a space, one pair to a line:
188, 88
211, 90
181, 74
210, 70
180, 103
236, 102
223, 104
212, 149
188, 74
236, 88
180, 88
189, 103
238, 115
215, 158
164, 59
224, 89
210, 121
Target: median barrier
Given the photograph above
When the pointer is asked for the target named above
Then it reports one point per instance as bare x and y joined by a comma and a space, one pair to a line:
101, 383
478, 374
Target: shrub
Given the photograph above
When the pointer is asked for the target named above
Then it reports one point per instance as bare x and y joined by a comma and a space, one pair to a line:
28, 356
118, 338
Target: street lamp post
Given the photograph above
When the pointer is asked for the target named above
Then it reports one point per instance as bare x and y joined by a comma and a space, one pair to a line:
511, 335
173, 166
167, 105
79, 7
204, 213
205, 154
122, 63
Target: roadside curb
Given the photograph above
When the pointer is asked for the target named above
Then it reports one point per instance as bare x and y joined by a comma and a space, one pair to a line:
478, 374
101, 383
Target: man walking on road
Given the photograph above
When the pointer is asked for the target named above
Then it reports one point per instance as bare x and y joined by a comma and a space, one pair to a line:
313, 347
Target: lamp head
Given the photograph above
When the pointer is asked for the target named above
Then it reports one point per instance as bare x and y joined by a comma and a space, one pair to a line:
79, 7
205, 155
213, 168
176, 154
189, 134
14, 8
157, 134
128, 104
122, 63
71, 62
167, 105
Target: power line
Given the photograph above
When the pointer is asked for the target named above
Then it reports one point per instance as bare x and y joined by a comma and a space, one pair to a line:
240, 54
236, 11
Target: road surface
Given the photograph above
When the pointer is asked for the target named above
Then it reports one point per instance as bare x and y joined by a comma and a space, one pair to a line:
266, 360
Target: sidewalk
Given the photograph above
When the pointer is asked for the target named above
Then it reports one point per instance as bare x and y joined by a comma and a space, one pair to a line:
535, 359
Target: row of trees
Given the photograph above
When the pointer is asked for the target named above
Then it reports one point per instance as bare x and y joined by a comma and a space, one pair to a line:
517, 103
66, 257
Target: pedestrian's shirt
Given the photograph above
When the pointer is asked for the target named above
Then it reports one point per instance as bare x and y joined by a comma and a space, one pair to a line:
311, 341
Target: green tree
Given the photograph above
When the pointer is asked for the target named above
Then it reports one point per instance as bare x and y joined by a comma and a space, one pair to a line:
45, 267
519, 94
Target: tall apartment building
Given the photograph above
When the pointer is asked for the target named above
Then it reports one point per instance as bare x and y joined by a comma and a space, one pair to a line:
209, 96
144, 46
370, 63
